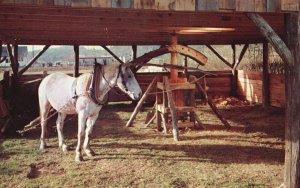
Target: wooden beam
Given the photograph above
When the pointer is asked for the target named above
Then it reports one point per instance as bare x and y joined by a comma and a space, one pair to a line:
183, 50
272, 37
172, 107
292, 91
76, 53
111, 53
210, 102
141, 102
11, 57
3, 59
1, 49
234, 73
15, 66
266, 76
236, 64
219, 56
174, 72
33, 60
134, 52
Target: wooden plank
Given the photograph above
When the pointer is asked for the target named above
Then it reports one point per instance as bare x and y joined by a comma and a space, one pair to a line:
141, 102
81, 3
63, 2
172, 107
101, 3
76, 57
273, 5
45, 2
145, 4
122, 3
227, 5
245, 5
260, 5
290, 5
292, 123
207, 5
186, 5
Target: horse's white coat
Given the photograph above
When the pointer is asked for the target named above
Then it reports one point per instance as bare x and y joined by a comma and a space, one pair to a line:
58, 89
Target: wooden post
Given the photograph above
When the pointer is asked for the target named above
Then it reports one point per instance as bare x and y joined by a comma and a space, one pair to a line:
234, 73
0, 49
141, 102
76, 68
292, 92
16, 59
134, 52
172, 108
174, 72
33, 60
219, 56
266, 76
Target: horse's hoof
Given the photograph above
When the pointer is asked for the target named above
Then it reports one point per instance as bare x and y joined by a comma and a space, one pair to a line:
65, 148
78, 159
90, 153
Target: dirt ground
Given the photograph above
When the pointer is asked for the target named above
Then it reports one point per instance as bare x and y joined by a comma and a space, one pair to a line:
250, 154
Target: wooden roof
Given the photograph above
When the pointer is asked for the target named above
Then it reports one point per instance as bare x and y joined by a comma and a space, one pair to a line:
61, 25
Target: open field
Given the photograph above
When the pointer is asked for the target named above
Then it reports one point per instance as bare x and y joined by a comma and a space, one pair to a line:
251, 154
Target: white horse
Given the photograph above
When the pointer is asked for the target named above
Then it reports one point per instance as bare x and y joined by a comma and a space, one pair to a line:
84, 96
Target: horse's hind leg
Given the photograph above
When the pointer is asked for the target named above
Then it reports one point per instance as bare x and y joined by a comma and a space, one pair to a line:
60, 125
88, 131
44, 110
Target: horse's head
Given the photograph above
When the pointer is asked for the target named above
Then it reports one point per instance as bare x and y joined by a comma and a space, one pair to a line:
127, 83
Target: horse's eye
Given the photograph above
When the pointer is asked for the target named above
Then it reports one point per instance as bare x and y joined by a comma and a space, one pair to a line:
129, 76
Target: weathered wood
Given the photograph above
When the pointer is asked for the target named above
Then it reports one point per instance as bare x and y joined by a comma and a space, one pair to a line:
33, 60
292, 89
150, 121
141, 102
290, 5
15, 67
101, 3
236, 64
234, 73
76, 56
81, 3
207, 5
164, 123
273, 5
1, 49
134, 52
272, 37
172, 107
122, 3
111, 53
227, 5
183, 50
211, 104
219, 56
266, 76
11, 56
174, 72
145, 4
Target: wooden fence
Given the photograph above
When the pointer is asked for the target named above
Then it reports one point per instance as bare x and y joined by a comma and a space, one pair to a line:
250, 87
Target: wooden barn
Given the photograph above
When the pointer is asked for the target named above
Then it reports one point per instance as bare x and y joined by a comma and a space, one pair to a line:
173, 25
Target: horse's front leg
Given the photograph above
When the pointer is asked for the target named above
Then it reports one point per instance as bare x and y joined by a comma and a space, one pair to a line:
89, 128
60, 125
81, 128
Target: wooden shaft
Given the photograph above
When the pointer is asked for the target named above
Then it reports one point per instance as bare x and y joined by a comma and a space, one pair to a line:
234, 73
141, 102
76, 68
33, 60
0, 49
219, 56
241, 56
112, 54
16, 59
266, 76
292, 94
174, 72
134, 52
172, 108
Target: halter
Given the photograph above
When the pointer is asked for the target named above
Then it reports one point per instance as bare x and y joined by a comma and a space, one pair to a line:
94, 89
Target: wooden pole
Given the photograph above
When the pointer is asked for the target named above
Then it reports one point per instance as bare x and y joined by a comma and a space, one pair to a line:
219, 56
16, 59
210, 103
172, 108
272, 37
112, 54
33, 60
292, 93
76, 68
1, 49
134, 52
241, 56
266, 76
174, 72
141, 102
234, 73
